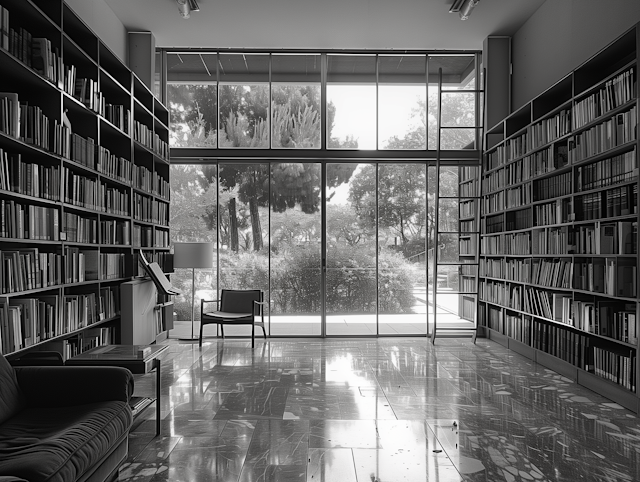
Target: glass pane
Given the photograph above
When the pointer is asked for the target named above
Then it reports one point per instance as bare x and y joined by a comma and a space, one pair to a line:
458, 139
449, 181
351, 250
402, 230
192, 99
193, 115
296, 119
402, 91
244, 101
448, 215
244, 116
295, 249
458, 71
157, 78
194, 218
244, 227
432, 183
460, 279
458, 110
351, 102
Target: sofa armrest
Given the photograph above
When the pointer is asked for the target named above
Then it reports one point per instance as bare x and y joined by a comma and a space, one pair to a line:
68, 386
11, 478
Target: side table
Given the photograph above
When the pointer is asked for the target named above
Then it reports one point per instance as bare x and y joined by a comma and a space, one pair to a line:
137, 358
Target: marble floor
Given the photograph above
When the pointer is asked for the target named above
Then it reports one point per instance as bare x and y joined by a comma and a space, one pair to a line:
374, 410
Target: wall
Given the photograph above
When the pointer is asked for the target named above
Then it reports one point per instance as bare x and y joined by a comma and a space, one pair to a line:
560, 36
101, 19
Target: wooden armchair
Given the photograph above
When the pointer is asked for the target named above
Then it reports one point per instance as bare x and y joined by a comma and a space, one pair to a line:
235, 307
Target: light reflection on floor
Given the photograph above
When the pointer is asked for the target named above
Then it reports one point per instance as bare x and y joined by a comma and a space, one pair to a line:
374, 410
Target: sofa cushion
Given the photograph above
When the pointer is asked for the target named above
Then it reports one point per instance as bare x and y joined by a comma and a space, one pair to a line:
60, 444
10, 396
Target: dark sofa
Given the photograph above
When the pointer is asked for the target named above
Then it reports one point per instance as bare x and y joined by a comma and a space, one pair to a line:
63, 424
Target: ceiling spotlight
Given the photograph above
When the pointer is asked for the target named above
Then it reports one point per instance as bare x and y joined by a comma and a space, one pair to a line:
185, 7
463, 7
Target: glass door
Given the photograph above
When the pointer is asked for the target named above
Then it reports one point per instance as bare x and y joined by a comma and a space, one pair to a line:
351, 254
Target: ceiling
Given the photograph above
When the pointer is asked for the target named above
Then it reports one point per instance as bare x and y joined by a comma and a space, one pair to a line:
324, 24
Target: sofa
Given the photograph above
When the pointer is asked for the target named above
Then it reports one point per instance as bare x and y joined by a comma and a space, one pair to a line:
63, 424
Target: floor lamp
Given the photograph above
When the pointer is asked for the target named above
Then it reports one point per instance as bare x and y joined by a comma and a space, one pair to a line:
193, 256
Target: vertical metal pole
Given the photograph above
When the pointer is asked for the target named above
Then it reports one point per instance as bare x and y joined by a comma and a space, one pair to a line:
437, 213
323, 195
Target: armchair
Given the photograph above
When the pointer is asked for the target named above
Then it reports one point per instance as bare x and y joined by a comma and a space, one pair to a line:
235, 307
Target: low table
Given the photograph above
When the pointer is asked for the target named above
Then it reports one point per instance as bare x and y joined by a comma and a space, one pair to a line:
137, 358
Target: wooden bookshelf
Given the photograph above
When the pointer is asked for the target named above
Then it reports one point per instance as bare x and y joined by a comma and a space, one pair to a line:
559, 248
84, 176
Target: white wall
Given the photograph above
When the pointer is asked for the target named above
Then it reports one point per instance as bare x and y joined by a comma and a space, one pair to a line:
560, 36
101, 19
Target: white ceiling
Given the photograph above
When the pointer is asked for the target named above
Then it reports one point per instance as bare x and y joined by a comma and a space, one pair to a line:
324, 24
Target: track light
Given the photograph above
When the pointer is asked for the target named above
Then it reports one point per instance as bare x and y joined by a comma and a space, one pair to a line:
463, 7
185, 7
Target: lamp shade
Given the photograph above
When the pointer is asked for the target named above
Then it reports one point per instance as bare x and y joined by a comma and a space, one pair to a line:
193, 255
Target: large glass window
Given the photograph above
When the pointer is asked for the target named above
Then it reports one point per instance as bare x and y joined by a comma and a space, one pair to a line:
243, 101
296, 120
351, 101
458, 120
192, 99
402, 92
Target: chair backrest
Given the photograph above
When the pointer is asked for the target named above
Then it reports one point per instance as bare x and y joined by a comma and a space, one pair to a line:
240, 301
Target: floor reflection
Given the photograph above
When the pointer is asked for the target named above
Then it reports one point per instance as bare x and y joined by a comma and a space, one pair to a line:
374, 410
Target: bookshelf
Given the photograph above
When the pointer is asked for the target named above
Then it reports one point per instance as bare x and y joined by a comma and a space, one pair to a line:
84, 175
558, 277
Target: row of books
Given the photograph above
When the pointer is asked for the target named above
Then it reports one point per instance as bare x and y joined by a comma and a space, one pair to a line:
117, 201
607, 172
556, 240
84, 90
493, 203
518, 171
494, 158
492, 224
541, 303
114, 166
148, 138
115, 232
468, 226
617, 368
621, 201
89, 265
83, 151
142, 178
28, 221
468, 188
468, 246
614, 93
467, 307
520, 219
79, 229
467, 285
617, 237
548, 130
510, 269
611, 276
142, 236
118, 115
551, 187
573, 347
29, 178
162, 187
555, 273
555, 212
517, 243
150, 210
503, 294
518, 196
494, 181
28, 268
611, 133
27, 321
467, 207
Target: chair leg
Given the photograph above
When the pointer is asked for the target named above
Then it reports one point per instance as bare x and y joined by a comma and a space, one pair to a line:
264, 332
253, 333
200, 338
222, 329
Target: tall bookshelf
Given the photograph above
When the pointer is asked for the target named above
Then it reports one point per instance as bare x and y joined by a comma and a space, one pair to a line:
84, 180
559, 248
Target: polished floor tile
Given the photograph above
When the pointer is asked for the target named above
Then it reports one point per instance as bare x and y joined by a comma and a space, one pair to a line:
374, 410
